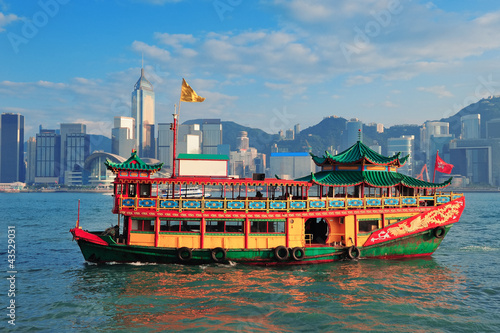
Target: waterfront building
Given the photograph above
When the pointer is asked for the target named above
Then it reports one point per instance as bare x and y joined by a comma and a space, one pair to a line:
471, 126
122, 136
31, 160
403, 145
291, 165
434, 135
12, 167
493, 129
477, 159
212, 135
48, 157
75, 148
143, 111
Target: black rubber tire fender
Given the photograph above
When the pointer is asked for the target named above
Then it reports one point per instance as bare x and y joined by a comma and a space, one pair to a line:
298, 253
439, 232
281, 253
216, 251
353, 252
184, 254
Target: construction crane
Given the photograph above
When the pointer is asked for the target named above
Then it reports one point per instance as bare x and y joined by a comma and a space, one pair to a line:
421, 174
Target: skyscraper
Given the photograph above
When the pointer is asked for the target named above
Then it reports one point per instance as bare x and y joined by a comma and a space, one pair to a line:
471, 126
212, 135
354, 129
75, 147
143, 111
12, 148
403, 145
48, 157
122, 136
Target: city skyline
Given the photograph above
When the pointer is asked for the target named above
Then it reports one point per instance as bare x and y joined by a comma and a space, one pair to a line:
268, 65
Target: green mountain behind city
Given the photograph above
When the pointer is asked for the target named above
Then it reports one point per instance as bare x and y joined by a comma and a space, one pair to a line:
328, 133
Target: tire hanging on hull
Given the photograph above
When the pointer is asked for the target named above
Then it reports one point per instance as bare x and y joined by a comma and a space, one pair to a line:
281, 253
184, 254
218, 254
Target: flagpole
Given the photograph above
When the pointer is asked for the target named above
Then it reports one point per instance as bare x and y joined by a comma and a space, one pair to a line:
176, 117
435, 162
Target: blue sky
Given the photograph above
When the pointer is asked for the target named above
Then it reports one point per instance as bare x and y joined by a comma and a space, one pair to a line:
268, 64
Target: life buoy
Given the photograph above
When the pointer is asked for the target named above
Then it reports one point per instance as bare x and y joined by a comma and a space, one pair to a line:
298, 253
281, 253
439, 232
218, 254
184, 254
353, 252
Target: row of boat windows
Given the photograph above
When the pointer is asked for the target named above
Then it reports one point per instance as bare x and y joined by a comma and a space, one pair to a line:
210, 226
292, 192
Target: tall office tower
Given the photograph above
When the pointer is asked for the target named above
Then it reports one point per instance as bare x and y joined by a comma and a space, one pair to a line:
403, 145
75, 147
165, 139
289, 134
243, 141
143, 111
122, 136
471, 126
212, 135
31, 160
48, 157
354, 132
296, 129
12, 167
433, 136
493, 129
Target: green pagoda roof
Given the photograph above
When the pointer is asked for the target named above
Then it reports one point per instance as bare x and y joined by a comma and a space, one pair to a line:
357, 154
371, 178
133, 163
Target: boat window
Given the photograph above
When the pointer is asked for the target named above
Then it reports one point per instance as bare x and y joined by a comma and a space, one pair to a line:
176, 225
267, 227
145, 190
131, 190
142, 225
224, 226
368, 226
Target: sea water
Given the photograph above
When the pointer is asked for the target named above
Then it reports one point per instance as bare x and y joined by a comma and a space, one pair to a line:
457, 289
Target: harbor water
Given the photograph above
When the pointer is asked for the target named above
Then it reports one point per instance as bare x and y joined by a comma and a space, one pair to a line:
457, 289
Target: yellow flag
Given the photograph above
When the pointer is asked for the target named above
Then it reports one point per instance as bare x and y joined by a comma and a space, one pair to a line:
188, 94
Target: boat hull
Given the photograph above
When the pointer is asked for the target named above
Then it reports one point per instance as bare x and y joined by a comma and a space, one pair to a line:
416, 245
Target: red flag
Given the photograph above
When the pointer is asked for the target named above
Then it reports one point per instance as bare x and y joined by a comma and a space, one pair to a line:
442, 166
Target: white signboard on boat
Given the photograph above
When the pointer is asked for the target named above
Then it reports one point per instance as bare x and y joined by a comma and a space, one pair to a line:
203, 165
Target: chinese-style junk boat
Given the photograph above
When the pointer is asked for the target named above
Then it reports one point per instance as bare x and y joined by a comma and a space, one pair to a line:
357, 206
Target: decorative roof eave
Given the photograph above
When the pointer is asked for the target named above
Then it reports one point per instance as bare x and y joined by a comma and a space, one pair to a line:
134, 163
357, 154
370, 178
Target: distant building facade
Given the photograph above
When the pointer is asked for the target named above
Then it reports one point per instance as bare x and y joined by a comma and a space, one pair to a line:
12, 167
122, 136
403, 145
211, 135
48, 157
291, 165
471, 126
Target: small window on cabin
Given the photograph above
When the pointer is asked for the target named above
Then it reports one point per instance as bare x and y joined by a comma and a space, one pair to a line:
131, 190
368, 226
176, 225
142, 225
224, 226
267, 227
145, 190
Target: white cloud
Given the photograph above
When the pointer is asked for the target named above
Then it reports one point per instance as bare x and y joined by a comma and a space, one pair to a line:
5, 20
439, 91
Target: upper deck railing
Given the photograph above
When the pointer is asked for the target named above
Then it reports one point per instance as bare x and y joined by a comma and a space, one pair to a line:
288, 205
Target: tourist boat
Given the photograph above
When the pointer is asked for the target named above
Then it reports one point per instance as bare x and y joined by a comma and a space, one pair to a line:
357, 206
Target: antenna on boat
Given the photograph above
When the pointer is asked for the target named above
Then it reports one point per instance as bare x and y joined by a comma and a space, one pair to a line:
78, 216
